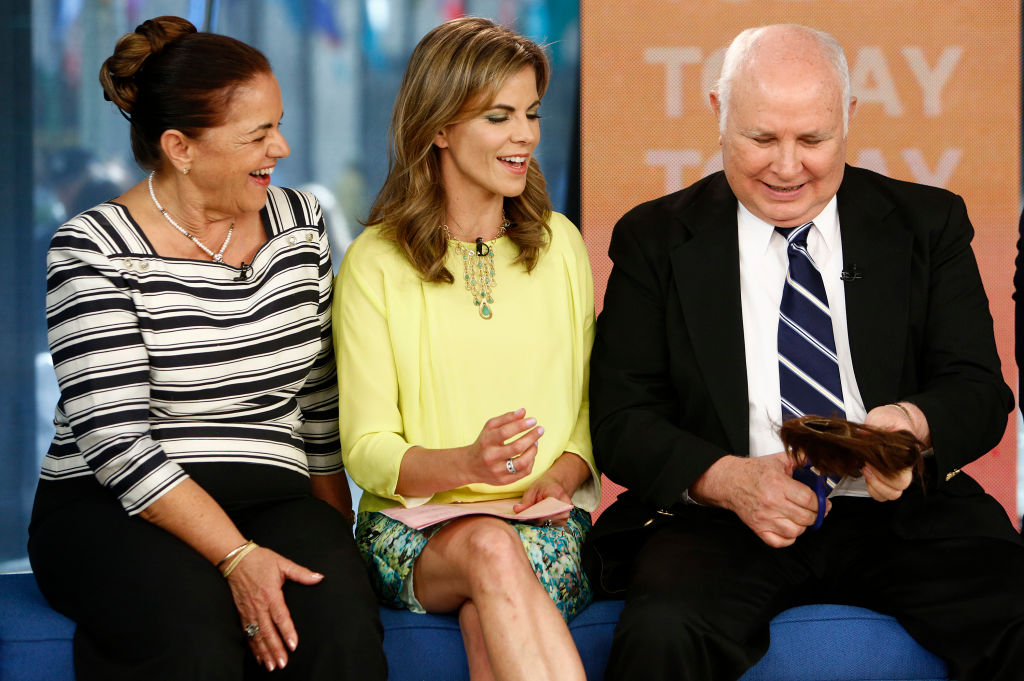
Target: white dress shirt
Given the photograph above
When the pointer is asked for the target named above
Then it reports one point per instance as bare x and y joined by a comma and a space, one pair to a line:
763, 266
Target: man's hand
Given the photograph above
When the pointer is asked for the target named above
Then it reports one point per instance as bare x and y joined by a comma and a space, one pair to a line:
762, 492
899, 416
886, 489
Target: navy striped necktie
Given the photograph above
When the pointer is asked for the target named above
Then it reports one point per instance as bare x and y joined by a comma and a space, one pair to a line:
808, 366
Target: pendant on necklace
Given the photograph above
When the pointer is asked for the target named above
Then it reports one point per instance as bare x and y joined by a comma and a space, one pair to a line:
478, 270
478, 274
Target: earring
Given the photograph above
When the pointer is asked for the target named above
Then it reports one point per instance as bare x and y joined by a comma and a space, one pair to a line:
185, 171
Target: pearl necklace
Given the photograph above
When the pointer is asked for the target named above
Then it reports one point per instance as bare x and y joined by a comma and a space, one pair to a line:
219, 255
478, 268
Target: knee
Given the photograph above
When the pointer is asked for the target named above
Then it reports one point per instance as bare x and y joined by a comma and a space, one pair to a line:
655, 622
673, 639
340, 634
492, 544
335, 614
491, 552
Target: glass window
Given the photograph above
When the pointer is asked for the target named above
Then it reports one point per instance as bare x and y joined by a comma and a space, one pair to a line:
339, 63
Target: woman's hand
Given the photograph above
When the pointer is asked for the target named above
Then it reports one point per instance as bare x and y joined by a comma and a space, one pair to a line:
425, 472
256, 587
189, 513
490, 460
334, 490
560, 481
543, 487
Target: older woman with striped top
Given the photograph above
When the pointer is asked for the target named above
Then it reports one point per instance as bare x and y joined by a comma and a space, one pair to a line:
193, 504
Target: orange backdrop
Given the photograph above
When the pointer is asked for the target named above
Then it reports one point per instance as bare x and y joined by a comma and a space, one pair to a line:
938, 85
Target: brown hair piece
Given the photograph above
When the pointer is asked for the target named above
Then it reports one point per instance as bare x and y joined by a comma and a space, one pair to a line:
167, 76
839, 447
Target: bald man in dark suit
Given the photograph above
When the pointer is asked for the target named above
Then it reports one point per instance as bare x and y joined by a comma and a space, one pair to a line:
713, 536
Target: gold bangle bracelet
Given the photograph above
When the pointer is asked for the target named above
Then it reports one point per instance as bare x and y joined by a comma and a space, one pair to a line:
249, 546
231, 554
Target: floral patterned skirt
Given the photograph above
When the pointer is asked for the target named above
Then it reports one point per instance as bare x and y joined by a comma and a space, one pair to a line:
390, 548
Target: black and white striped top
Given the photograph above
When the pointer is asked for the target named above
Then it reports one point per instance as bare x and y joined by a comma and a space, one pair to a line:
167, 362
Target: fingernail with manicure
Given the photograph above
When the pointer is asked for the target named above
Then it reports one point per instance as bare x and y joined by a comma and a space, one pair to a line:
540, 431
531, 421
292, 644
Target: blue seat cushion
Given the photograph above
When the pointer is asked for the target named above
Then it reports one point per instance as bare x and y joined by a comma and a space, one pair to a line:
843, 643
35, 640
809, 643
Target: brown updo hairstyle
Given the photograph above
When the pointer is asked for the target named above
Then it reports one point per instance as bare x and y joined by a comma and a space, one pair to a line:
453, 74
169, 76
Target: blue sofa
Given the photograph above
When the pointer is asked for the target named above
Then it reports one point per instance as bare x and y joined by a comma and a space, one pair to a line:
810, 643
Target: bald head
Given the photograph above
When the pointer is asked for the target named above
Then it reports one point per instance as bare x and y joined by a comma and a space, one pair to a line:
807, 53
783, 107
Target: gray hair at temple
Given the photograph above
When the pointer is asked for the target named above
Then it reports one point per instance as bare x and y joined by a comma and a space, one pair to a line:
743, 45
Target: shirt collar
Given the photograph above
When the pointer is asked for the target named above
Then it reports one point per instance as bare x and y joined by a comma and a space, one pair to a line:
759, 232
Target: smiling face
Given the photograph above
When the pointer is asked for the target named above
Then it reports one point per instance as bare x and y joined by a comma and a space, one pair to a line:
231, 163
783, 147
485, 157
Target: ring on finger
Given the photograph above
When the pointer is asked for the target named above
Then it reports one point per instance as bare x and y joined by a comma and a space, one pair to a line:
251, 630
510, 466
547, 522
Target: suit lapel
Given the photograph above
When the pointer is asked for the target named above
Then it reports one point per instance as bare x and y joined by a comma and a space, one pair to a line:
877, 303
705, 268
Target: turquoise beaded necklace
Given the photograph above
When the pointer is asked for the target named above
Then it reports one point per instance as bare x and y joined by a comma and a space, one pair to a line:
478, 269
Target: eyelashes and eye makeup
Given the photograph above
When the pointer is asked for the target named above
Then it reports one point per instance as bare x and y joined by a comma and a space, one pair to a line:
505, 113
501, 118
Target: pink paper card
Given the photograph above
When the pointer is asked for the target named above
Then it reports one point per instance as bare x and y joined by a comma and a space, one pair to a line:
431, 514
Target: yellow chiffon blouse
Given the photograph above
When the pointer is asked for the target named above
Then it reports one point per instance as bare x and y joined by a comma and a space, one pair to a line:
418, 365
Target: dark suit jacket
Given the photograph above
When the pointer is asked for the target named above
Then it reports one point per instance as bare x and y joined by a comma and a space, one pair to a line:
668, 387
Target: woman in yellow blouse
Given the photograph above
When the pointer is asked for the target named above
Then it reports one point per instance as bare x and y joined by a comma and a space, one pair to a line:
464, 321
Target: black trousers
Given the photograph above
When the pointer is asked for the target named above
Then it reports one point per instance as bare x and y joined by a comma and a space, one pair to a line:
149, 608
704, 588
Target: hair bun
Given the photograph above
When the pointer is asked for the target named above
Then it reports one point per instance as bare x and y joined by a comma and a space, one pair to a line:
117, 75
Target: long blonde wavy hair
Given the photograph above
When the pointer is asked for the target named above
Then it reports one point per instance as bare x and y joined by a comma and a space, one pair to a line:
462, 62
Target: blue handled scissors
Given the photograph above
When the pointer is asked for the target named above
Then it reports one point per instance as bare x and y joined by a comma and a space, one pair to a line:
822, 486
